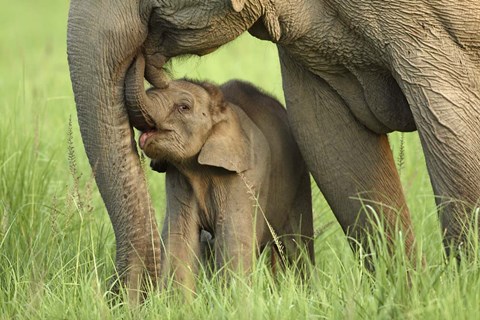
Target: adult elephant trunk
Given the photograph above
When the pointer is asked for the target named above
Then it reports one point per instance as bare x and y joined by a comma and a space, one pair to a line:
103, 38
138, 103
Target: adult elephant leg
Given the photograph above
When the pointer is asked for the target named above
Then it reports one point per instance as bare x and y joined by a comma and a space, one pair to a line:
442, 85
352, 165
103, 37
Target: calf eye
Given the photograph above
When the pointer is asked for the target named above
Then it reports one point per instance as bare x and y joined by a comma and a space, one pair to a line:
183, 108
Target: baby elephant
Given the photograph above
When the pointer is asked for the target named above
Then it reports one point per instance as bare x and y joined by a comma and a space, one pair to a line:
232, 169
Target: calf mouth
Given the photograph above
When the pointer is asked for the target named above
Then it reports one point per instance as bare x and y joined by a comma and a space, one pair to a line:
142, 141
146, 135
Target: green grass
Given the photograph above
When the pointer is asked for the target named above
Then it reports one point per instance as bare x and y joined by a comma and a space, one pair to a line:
56, 241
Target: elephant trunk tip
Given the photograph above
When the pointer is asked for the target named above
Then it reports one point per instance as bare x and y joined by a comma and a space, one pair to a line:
155, 72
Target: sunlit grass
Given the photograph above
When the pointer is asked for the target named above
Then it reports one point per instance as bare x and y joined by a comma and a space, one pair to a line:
56, 241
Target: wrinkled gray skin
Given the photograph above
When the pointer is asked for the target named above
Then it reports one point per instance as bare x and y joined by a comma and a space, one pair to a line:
220, 147
352, 72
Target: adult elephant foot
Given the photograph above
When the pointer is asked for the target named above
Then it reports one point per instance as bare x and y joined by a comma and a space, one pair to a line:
353, 166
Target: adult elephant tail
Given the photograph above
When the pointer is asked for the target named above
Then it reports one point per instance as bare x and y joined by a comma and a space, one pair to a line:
103, 38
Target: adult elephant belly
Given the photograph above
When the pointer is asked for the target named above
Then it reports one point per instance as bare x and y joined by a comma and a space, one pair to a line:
374, 98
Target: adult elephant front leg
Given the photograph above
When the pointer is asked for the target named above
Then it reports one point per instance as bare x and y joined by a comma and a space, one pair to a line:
352, 165
442, 85
103, 37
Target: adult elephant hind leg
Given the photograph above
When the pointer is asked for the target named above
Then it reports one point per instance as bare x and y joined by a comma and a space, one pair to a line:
347, 160
442, 85
299, 235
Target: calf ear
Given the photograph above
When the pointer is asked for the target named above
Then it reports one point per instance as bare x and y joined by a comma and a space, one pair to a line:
158, 165
228, 146
238, 5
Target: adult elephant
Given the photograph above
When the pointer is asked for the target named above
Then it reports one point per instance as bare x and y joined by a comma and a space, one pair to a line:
352, 71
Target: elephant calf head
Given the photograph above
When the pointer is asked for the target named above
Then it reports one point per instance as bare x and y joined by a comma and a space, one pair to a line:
184, 121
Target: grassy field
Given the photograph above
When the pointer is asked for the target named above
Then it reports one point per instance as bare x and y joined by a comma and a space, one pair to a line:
57, 244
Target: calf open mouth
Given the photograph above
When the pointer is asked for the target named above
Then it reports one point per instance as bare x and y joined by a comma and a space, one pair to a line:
144, 137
